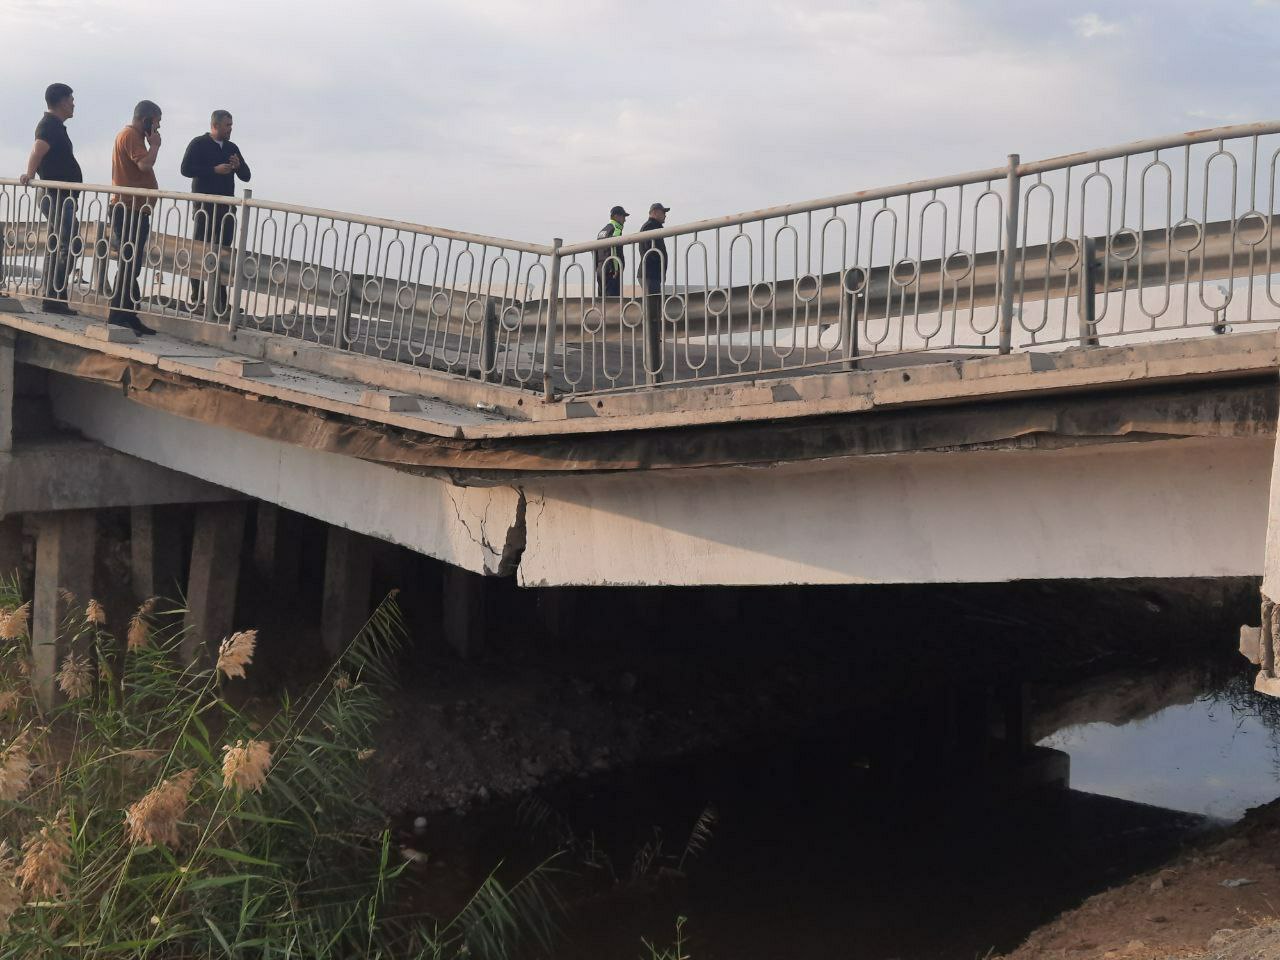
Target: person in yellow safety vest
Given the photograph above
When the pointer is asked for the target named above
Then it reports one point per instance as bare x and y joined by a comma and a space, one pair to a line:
608, 262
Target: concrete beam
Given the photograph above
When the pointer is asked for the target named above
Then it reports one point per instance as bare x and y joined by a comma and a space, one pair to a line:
65, 548
214, 577
470, 527
464, 611
155, 551
67, 473
347, 583
1177, 508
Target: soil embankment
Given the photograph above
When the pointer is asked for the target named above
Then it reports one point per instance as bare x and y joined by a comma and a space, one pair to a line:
1218, 901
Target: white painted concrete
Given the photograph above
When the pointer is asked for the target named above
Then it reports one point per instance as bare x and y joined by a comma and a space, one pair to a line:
1161, 509
465, 526
1126, 509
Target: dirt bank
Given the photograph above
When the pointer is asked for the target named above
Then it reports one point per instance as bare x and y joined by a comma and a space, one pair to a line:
1218, 901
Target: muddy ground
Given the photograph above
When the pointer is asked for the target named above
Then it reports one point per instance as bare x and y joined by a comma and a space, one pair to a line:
1218, 900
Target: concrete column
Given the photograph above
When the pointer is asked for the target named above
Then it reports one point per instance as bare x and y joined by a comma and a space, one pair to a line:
215, 573
6, 390
463, 610
11, 546
557, 609
64, 561
347, 581
155, 551
276, 552
1268, 680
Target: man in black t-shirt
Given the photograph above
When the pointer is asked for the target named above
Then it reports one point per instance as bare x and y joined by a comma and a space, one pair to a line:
53, 158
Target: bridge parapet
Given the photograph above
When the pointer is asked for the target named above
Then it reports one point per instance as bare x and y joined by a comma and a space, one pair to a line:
1151, 240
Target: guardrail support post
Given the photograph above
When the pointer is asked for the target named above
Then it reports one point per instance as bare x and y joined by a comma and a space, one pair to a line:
489, 340
237, 270
553, 316
1088, 293
1011, 203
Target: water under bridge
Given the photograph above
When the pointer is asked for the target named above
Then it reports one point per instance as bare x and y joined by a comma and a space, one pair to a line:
1055, 369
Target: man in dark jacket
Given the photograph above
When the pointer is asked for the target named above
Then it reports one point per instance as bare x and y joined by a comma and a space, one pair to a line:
213, 162
608, 262
653, 270
53, 158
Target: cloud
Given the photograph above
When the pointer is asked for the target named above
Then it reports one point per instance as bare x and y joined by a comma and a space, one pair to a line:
1091, 25
531, 120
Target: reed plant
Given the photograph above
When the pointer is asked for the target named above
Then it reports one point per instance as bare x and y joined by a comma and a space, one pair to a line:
153, 814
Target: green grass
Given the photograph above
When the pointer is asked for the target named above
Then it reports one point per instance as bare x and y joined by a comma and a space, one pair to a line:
302, 868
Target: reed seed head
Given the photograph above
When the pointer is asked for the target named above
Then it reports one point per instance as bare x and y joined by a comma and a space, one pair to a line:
75, 679
236, 652
245, 765
14, 624
342, 681
365, 754
11, 899
95, 614
15, 770
45, 859
154, 819
9, 700
139, 627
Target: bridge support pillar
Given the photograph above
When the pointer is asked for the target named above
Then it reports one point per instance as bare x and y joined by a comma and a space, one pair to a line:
347, 583
7, 373
557, 609
11, 546
214, 577
65, 544
464, 610
155, 551
1267, 639
275, 547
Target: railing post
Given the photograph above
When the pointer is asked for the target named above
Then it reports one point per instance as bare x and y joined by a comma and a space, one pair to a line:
237, 270
553, 316
1011, 203
1088, 293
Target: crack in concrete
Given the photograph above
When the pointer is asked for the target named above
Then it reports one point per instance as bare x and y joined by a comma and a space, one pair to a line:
497, 561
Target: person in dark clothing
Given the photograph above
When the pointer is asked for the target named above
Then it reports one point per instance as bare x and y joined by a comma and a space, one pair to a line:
608, 262
653, 270
213, 162
53, 158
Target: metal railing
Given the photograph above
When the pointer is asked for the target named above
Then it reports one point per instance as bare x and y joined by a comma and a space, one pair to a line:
1166, 237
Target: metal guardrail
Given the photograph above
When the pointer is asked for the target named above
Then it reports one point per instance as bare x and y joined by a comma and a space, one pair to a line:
1153, 238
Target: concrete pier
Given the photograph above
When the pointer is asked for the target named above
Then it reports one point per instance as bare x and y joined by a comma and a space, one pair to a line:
214, 578
155, 547
464, 611
347, 582
65, 551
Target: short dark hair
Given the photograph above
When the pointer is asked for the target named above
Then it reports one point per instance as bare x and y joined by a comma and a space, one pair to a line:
55, 93
218, 116
145, 109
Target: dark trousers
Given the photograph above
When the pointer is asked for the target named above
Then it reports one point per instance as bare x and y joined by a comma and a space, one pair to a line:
59, 208
653, 327
129, 232
216, 224
608, 281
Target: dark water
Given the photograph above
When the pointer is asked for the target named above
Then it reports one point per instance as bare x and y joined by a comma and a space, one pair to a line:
818, 852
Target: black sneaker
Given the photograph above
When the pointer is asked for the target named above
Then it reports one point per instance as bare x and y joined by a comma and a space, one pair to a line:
59, 307
129, 321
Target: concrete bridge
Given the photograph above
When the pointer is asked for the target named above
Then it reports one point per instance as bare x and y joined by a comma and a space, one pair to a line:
1059, 369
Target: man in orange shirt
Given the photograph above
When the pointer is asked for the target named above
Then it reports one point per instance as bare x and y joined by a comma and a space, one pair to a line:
133, 164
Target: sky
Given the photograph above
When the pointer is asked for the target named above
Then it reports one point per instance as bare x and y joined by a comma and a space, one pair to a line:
529, 120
